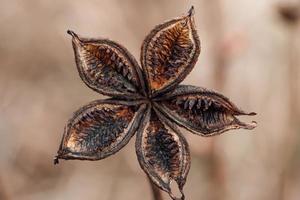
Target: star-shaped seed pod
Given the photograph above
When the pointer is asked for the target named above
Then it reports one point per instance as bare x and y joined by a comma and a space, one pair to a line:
147, 101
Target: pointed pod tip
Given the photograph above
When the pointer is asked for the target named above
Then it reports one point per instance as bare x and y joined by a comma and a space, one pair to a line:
174, 196
252, 113
182, 194
191, 11
73, 34
250, 125
241, 112
177, 198
253, 124
55, 160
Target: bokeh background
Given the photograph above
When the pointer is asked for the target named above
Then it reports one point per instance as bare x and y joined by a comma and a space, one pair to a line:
250, 53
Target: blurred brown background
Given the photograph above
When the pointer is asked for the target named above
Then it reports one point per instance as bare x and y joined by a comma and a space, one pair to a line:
250, 53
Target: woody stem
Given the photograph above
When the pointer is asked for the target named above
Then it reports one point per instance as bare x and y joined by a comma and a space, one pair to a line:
155, 191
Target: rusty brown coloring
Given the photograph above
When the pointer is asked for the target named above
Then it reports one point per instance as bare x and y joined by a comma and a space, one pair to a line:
148, 101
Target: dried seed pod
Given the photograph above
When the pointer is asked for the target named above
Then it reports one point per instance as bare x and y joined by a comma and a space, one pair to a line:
169, 53
162, 152
214, 113
105, 67
103, 127
100, 129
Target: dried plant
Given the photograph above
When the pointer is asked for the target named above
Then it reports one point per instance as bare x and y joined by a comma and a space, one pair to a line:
147, 101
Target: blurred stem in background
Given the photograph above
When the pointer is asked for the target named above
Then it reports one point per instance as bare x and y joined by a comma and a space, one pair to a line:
3, 192
214, 15
289, 12
155, 191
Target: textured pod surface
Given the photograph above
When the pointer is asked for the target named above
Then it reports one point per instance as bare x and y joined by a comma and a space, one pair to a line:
147, 101
162, 152
202, 111
99, 129
169, 53
107, 67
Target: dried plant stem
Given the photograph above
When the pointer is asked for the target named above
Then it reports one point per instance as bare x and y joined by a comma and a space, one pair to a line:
3, 192
293, 78
156, 193
294, 114
115, 181
214, 12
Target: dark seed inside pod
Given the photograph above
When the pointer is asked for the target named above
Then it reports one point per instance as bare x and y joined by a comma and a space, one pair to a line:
206, 113
162, 149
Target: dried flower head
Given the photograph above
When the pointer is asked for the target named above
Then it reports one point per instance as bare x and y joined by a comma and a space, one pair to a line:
147, 101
